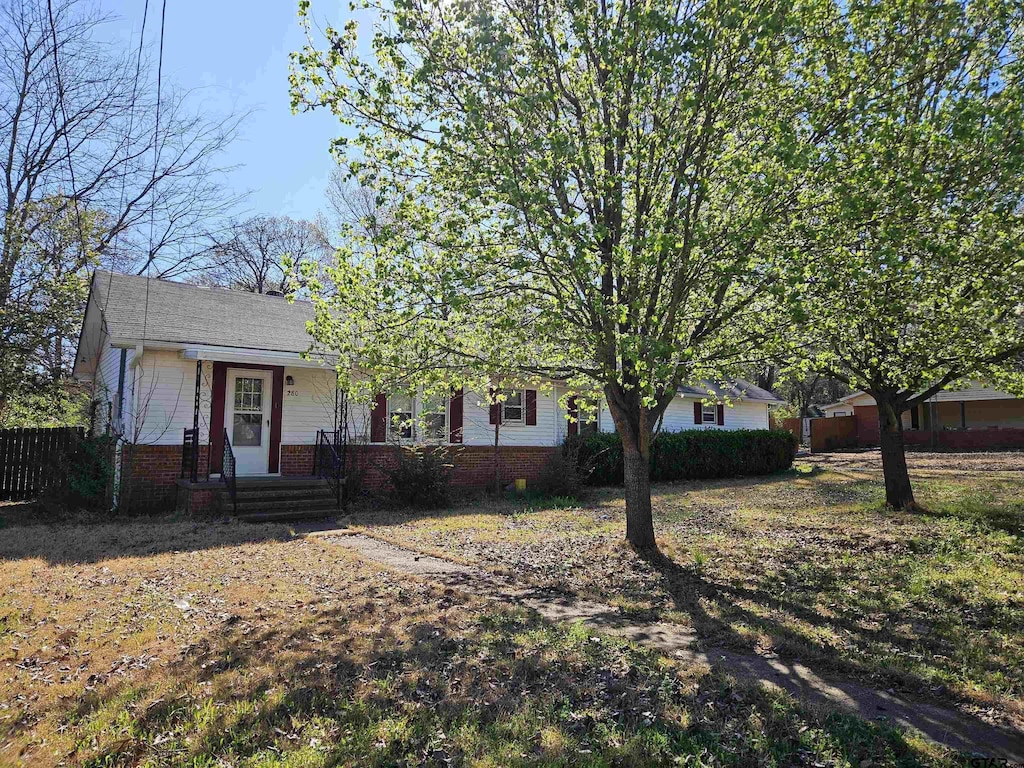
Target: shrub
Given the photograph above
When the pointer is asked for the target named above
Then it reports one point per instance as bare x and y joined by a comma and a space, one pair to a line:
421, 478
563, 477
82, 477
695, 454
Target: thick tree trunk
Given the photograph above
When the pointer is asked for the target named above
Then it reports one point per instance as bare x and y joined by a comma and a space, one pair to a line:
898, 492
637, 482
633, 425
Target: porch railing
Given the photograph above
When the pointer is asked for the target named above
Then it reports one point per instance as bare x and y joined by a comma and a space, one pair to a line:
190, 455
227, 472
329, 463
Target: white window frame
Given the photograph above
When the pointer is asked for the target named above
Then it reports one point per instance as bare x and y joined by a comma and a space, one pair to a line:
416, 429
394, 432
505, 420
445, 431
704, 413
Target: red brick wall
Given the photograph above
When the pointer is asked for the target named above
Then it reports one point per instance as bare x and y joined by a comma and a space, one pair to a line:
867, 424
155, 469
297, 459
149, 474
967, 440
473, 465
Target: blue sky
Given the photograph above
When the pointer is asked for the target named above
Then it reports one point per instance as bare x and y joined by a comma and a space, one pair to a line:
236, 53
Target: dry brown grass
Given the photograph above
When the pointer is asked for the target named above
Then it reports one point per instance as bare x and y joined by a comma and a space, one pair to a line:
157, 644
808, 565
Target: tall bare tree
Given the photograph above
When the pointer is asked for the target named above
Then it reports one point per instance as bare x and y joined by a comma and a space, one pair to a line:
252, 257
98, 160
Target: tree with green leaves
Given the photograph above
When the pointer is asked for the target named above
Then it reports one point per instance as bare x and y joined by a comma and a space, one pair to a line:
912, 241
582, 191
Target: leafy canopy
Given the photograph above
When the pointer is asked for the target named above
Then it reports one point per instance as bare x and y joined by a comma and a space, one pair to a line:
912, 241
570, 189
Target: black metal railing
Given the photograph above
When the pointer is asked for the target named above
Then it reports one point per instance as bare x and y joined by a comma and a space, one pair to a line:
227, 472
190, 455
329, 462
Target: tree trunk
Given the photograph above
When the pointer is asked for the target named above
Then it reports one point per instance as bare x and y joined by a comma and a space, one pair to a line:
636, 465
898, 492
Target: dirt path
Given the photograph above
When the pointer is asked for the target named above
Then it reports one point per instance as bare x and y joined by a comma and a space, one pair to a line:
945, 726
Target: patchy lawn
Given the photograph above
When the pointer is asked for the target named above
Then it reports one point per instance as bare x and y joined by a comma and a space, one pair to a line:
172, 644
808, 564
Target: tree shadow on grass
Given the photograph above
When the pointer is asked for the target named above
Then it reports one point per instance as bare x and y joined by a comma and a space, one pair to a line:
812, 670
64, 544
510, 689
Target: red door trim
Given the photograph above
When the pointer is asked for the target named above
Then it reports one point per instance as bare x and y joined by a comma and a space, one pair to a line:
220, 383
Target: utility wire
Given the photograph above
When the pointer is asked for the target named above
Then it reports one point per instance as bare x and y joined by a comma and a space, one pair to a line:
64, 131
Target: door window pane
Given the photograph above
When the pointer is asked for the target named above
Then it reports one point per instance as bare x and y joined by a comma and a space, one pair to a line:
249, 395
247, 429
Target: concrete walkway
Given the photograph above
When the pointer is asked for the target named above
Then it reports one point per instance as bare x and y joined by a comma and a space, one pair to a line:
946, 726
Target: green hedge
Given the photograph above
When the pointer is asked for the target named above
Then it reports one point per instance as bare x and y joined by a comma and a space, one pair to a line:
693, 454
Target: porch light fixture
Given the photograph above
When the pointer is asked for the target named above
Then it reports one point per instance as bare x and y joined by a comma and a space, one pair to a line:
289, 380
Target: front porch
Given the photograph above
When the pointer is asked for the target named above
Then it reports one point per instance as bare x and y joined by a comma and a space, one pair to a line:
232, 457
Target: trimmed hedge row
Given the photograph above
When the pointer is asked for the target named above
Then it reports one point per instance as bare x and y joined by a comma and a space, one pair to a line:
695, 454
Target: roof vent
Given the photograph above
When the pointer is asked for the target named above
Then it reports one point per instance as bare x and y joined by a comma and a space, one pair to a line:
279, 294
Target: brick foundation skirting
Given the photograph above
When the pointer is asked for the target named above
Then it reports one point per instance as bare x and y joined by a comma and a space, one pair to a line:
473, 465
156, 469
966, 439
149, 475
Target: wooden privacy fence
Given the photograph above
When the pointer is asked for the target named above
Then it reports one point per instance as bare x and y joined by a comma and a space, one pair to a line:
829, 434
28, 459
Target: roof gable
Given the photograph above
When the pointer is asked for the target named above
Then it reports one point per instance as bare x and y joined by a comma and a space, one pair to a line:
150, 309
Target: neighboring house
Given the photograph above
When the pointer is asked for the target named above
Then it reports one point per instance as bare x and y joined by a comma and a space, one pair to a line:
974, 418
166, 357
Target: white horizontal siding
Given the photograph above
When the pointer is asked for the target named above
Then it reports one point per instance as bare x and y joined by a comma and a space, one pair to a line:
108, 373
478, 430
166, 390
741, 414
308, 405
165, 398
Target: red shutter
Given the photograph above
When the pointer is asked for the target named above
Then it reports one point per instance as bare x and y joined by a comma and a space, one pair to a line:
455, 417
495, 407
721, 415
531, 407
379, 419
276, 413
574, 413
220, 382
698, 414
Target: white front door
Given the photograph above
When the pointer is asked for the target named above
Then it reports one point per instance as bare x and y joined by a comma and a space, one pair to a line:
247, 419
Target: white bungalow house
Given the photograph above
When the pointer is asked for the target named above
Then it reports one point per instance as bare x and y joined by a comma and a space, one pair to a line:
192, 377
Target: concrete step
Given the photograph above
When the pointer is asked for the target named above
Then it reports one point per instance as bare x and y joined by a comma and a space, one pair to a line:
284, 494
279, 483
278, 505
281, 517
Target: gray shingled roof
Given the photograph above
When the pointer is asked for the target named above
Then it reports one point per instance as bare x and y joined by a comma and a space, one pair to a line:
735, 390
163, 310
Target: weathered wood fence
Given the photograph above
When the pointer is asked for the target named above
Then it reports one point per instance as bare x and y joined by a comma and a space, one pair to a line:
28, 459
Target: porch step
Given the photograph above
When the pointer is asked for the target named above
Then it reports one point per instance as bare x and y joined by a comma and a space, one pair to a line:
266, 499
283, 517
279, 483
283, 494
278, 505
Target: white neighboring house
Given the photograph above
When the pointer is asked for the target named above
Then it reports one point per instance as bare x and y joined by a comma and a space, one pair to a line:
165, 357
